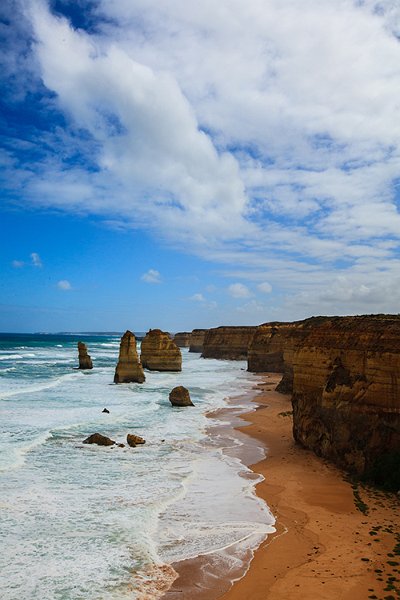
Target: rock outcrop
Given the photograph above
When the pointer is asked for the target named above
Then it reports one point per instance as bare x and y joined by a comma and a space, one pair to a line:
99, 439
134, 440
85, 362
197, 340
227, 342
346, 389
180, 396
129, 369
159, 352
182, 339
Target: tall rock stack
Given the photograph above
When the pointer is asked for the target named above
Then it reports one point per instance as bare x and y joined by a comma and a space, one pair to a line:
159, 352
85, 362
129, 368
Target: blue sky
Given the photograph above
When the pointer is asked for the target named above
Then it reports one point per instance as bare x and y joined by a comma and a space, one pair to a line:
188, 165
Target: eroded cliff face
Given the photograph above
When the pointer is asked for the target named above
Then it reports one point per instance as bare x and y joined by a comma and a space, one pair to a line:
128, 369
346, 389
228, 342
159, 352
182, 339
197, 340
268, 346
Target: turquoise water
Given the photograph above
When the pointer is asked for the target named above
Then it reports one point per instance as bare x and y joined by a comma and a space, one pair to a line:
80, 521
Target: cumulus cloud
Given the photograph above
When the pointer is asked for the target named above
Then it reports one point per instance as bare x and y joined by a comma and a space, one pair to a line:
265, 287
36, 260
239, 290
18, 264
151, 276
64, 285
198, 298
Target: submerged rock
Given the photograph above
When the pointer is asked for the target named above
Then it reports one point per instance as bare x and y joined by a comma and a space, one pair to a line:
99, 439
134, 440
85, 362
180, 396
129, 368
159, 352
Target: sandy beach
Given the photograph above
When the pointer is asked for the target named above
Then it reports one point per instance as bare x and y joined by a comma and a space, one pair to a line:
333, 540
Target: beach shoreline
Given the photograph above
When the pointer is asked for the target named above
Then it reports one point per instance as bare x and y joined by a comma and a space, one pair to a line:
324, 546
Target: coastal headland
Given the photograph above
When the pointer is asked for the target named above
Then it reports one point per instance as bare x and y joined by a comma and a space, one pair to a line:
330, 393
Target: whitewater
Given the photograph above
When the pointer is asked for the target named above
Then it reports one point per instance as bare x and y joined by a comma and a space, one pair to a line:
79, 521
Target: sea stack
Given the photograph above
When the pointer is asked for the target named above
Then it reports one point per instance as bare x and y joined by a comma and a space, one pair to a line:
129, 368
85, 362
180, 396
159, 352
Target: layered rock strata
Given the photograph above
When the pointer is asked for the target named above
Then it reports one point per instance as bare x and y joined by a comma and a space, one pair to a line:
227, 342
197, 340
182, 339
85, 362
129, 368
346, 389
159, 352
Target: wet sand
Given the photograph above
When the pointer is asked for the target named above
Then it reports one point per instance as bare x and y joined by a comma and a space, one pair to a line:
324, 547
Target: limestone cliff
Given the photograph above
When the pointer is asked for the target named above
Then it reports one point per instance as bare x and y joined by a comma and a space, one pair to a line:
197, 340
346, 389
182, 339
159, 352
129, 369
268, 345
85, 362
228, 342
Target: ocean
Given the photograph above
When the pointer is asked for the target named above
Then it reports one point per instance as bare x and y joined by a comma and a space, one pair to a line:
81, 521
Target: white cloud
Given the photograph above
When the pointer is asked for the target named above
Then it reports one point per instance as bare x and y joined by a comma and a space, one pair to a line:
265, 288
18, 264
197, 298
151, 276
239, 290
64, 285
36, 260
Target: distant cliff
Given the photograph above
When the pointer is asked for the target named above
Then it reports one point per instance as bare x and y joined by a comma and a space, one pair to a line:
197, 340
228, 342
182, 339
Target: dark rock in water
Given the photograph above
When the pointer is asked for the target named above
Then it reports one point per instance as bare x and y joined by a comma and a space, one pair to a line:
121, 445
105, 410
85, 362
180, 396
134, 440
129, 368
100, 440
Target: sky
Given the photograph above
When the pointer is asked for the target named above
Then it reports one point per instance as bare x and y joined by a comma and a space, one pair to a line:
193, 164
